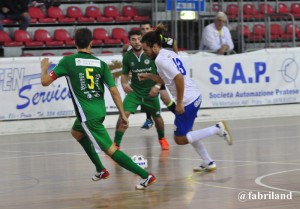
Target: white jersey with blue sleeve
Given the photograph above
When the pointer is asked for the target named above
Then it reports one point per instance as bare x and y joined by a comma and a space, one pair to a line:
168, 66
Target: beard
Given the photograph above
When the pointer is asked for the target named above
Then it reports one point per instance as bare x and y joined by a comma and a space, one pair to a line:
137, 49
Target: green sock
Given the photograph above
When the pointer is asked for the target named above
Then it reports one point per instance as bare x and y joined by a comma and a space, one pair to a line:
90, 151
123, 160
118, 137
172, 106
161, 134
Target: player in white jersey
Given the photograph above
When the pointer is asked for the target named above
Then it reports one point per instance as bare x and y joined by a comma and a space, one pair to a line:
174, 75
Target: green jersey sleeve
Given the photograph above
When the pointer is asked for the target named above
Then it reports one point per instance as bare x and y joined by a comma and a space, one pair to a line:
125, 65
61, 69
108, 77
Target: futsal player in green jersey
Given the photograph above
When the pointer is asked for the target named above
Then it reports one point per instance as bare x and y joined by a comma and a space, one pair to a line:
168, 42
86, 76
140, 93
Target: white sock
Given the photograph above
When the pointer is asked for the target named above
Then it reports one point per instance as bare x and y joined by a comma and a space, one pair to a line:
201, 150
193, 136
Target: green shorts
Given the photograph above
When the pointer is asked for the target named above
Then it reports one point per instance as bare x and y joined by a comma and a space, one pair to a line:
96, 132
150, 105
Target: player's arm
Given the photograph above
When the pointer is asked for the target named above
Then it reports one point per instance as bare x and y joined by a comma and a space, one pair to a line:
175, 47
154, 77
125, 83
118, 101
155, 90
179, 82
46, 79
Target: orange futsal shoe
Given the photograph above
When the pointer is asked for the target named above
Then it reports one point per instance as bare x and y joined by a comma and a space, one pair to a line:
164, 143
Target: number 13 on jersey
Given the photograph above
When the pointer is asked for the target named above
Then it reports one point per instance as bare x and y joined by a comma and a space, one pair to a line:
179, 65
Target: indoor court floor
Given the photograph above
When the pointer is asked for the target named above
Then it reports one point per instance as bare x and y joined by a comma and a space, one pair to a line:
260, 169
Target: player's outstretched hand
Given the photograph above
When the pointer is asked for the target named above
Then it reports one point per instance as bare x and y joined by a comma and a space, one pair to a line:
125, 122
143, 76
45, 64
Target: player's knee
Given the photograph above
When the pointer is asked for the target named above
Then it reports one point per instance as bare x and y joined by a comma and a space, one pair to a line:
180, 140
77, 135
111, 150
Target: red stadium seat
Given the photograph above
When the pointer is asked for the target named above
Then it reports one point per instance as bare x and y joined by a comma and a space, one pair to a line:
295, 10
6, 21
48, 54
44, 36
102, 34
130, 11
67, 53
216, 7
63, 35
92, 11
106, 52
75, 12
112, 11
266, 9
37, 14
282, 8
6, 40
24, 37
232, 11
120, 33
56, 12
289, 32
250, 12
27, 55
258, 33
246, 31
276, 31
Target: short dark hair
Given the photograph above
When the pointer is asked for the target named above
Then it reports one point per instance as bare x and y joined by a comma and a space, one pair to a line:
134, 32
146, 22
151, 38
83, 37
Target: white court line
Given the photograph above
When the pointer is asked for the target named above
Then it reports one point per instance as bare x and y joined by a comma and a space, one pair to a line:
258, 181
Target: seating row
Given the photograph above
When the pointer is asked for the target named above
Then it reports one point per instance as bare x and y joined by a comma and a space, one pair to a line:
251, 12
61, 37
92, 14
277, 32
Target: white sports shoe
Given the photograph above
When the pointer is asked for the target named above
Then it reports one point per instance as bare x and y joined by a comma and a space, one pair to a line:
146, 182
104, 174
224, 132
206, 167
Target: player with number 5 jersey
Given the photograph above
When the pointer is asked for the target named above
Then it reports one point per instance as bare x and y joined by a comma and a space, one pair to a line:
173, 73
86, 76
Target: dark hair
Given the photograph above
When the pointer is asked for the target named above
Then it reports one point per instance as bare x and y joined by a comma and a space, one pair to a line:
83, 38
134, 32
151, 38
146, 23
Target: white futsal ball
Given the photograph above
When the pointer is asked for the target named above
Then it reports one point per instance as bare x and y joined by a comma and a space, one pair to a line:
140, 161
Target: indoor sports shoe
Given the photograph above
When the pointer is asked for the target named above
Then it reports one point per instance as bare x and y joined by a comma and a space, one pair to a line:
104, 174
206, 167
146, 182
164, 143
148, 124
224, 132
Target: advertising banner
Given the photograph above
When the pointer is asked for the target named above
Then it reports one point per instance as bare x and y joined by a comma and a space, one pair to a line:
257, 78
23, 96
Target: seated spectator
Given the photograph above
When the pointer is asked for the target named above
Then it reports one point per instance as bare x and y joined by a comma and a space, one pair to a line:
44, 4
15, 10
216, 36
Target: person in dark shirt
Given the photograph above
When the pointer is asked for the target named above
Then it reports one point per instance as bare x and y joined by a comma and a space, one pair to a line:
15, 10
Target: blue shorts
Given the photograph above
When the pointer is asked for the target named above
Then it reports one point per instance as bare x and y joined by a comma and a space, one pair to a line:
184, 122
